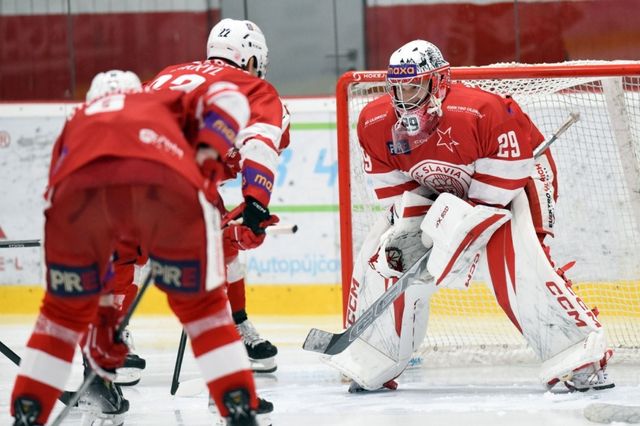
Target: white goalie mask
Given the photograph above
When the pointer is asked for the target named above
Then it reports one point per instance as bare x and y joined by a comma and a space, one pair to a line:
238, 41
113, 81
418, 79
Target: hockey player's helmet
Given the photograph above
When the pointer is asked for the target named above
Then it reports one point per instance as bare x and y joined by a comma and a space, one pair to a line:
113, 81
418, 76
239, 41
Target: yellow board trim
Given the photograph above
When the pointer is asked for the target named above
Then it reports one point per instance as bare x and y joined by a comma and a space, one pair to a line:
317, 299
620, 299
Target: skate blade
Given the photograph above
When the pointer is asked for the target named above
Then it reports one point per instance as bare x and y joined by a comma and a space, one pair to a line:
99, 419
266, 365
263, 419
128, 376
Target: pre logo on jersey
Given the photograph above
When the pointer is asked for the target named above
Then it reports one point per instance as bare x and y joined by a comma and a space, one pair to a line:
175, 275
63, 280
442, 177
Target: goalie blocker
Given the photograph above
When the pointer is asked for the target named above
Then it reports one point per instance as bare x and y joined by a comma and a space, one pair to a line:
563, 332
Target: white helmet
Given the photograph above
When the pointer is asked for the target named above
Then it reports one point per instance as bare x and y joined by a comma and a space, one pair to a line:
238, 41
418, 65
113, 81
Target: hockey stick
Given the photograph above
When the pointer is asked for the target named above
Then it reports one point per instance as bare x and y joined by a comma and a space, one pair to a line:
332, 344
574, 117
608, 413
278, 229
92, 375
15, 358
270, 230
175, 380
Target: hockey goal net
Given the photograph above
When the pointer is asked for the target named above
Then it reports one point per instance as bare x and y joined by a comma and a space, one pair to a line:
597, 216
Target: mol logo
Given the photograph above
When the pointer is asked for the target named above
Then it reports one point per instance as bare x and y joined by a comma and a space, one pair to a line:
402, 70
65, 280
223, 128
183, 276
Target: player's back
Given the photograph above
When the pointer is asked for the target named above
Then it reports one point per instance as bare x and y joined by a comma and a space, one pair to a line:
146, 125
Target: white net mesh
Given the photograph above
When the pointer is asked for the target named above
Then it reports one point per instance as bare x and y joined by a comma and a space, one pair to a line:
598, 212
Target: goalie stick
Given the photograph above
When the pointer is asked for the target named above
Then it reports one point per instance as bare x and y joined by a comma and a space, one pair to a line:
609, 413
331, 344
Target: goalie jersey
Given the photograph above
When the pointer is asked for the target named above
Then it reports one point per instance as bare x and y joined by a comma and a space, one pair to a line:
481, 149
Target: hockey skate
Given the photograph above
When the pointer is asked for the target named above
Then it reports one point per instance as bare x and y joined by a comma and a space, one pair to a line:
261, 352
590, 376
131, 372
103, 403
354, 387
239, 400
27, 411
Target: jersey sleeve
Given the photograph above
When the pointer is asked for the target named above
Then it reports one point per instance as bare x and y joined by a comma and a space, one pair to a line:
505, 162
387, 182
261, 142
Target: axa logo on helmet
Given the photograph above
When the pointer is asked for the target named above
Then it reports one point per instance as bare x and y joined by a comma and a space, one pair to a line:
402, 70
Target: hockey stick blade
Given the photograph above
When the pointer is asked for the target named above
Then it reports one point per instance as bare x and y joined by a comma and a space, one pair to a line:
332, 344
608, 413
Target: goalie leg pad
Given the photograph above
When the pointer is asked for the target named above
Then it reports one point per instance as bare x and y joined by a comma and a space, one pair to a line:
563, 332
380, 354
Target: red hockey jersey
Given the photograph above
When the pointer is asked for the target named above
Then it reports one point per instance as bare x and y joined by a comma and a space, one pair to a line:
266, 134
481, 150
149, 126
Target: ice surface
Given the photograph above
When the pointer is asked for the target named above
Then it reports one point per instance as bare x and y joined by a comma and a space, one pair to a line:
307, 392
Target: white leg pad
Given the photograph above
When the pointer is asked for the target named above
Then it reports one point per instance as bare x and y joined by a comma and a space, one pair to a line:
588, 351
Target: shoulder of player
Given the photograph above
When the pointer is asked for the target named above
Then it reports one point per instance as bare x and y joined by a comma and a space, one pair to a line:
472, 101
377, 114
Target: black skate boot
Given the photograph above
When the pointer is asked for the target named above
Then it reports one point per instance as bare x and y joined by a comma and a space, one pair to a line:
262, 414
261, 352
103, 401
27, 411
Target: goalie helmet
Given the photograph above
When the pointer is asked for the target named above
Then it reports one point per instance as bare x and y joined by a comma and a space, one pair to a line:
113, 81
418, 78
239, 41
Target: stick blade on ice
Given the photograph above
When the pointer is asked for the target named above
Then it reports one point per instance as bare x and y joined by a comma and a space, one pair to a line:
318, 341
608, 413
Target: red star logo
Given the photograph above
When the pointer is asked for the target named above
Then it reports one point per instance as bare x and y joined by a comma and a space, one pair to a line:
444, 139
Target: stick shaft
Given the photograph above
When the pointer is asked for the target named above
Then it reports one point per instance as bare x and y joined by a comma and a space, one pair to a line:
574, 117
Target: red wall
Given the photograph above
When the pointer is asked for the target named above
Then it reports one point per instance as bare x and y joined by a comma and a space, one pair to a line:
35, 59
471, 34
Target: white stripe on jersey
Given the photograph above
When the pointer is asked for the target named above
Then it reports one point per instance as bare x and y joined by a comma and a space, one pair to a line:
506, 169
227, 97
389, 179
45, 326
45, 368
219, 319
258, 151
267, 131
222, 361
491, 194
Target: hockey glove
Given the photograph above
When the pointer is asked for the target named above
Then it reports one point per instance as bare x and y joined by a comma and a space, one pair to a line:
240, 237
256, 217
102, 349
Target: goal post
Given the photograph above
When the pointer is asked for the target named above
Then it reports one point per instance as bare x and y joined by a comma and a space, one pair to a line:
598, 210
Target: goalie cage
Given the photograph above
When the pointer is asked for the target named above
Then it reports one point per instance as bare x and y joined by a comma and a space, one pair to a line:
597, 214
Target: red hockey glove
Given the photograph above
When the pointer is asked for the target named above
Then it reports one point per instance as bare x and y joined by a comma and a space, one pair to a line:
240, 237
103, 352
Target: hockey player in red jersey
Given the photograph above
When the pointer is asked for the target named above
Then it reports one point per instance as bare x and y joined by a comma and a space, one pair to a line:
456, 166
237, 52
127, 170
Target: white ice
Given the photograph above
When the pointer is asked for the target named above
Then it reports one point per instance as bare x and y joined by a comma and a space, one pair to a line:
307, 392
